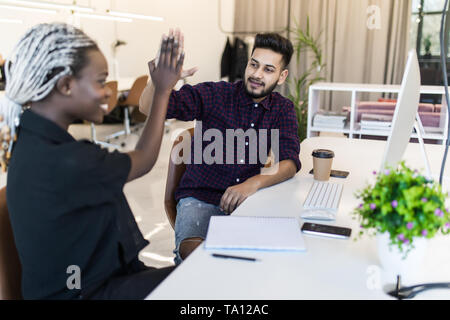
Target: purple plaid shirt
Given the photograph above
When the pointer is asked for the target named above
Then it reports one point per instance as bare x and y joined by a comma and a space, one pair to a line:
222, 106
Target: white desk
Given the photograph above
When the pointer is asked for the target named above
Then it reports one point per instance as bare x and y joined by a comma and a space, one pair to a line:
330, 269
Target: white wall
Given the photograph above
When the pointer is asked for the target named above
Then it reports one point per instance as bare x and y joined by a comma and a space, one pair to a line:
198, 19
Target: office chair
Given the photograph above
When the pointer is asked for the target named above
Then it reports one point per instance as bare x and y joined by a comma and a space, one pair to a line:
112, 103
174, 175
10, 268
132, 100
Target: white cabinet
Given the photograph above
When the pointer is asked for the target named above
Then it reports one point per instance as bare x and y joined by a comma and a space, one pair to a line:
353, 128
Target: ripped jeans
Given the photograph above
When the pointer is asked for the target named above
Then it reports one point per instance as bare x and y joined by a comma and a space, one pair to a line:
192, 221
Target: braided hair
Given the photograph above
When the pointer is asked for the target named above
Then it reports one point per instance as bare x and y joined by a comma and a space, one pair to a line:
45, 54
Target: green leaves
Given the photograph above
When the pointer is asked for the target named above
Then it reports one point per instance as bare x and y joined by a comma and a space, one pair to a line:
305, 43
405, 204
386, 208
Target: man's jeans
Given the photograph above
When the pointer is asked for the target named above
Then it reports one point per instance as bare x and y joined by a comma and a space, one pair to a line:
192, 221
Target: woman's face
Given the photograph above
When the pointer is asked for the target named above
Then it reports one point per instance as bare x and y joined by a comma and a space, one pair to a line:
88, 89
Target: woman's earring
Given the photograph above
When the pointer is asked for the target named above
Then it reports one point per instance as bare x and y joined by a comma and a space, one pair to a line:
69, 92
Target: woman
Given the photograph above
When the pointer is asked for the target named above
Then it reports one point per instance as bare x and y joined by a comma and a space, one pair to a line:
73, 228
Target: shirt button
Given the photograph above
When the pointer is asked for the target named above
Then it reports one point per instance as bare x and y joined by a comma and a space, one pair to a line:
256, 105
246, 143
252, 125
237, 180
242, 161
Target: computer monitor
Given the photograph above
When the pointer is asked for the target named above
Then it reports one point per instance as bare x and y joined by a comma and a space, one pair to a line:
405, 113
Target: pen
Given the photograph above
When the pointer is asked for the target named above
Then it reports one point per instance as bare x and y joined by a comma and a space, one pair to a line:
232, 257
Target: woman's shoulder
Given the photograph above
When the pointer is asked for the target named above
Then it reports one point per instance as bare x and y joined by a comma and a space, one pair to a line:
86, 155
69, 160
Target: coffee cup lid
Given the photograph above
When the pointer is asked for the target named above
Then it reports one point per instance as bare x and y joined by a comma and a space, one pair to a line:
323, 153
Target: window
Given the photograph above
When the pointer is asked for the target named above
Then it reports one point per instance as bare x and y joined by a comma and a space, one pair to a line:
426, 26
425, 38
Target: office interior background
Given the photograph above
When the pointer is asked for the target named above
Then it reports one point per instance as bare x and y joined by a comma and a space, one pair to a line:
361, 42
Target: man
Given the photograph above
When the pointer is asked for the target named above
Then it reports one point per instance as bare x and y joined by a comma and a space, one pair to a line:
217, 188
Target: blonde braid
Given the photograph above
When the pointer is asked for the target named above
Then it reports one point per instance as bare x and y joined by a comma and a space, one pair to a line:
45, 54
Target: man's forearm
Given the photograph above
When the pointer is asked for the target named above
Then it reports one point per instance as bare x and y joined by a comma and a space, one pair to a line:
146, 99
286, 170
236, 194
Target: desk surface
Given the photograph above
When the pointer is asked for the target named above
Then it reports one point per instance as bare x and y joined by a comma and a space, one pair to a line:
330, 268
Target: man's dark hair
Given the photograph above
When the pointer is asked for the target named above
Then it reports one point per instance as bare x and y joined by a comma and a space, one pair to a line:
275, 42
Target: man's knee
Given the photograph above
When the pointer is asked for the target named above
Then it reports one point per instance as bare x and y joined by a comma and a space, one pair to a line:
188, 245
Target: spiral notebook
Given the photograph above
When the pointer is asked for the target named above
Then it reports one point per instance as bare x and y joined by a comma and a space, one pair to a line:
254, 233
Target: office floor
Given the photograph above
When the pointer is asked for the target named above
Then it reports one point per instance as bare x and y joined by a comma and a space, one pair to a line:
146, 194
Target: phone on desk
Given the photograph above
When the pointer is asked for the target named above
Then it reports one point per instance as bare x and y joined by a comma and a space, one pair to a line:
326, 230
335, 173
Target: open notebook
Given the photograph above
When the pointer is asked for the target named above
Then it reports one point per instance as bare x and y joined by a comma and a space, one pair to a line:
254, 233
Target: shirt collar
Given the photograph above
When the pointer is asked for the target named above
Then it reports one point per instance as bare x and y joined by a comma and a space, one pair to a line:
43, 127
247, 100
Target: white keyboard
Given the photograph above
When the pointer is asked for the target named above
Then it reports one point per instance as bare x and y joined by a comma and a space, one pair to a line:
322, 201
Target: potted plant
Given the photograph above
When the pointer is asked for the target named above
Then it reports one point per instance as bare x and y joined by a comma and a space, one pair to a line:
305, 42
403, 208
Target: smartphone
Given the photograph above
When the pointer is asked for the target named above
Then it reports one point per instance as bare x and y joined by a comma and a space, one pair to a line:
326, 230
335, 173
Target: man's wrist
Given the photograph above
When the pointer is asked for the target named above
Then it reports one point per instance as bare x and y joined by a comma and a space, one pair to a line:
255, 182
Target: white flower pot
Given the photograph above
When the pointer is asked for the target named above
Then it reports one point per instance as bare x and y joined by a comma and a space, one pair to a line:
394, 263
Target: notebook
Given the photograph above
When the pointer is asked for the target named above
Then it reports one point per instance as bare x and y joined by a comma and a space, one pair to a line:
254, 233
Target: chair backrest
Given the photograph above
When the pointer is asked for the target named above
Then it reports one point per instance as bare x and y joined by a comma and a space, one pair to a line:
136, 91
112, 102
10, 268
174, 176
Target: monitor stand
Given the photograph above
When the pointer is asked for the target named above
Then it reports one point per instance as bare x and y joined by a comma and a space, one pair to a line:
419, 130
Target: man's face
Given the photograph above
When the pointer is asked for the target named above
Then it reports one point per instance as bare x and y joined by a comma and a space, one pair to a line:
265, 70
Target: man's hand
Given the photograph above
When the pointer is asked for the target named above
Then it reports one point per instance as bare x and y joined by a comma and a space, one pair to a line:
235, 195
188, 73
145, 101
180, 37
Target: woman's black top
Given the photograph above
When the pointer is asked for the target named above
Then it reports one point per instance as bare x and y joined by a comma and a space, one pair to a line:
68, 211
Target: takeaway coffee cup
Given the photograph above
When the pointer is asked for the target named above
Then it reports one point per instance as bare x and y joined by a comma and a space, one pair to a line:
322, 160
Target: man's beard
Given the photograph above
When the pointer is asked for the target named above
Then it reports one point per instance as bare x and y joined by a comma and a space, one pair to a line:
263, 93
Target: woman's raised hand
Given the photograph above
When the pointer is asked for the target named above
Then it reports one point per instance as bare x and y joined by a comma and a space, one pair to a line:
167, 71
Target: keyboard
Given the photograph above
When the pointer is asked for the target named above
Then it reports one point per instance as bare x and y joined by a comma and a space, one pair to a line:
322, 201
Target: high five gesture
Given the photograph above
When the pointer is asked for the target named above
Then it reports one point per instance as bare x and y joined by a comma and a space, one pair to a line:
165, 73
167, 70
